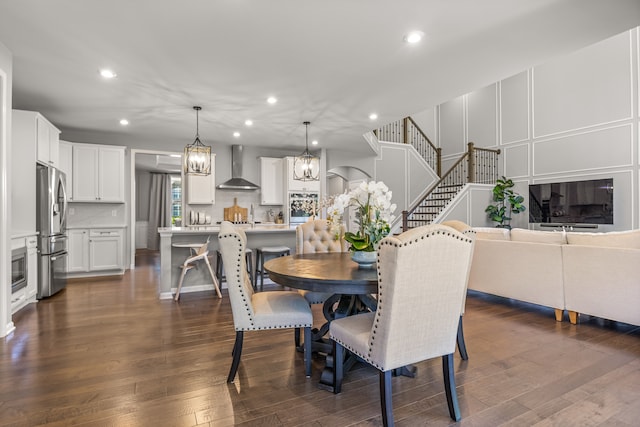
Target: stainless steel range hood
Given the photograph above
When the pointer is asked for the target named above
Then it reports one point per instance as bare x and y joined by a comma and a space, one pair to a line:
237, 182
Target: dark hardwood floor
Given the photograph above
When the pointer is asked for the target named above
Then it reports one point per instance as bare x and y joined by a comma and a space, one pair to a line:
107, 352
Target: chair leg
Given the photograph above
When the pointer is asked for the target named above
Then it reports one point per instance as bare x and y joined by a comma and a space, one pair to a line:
462, 347
307, 350
296, 337
385, 398
237, 352
450, 386
184, 272
213, 277
338, 372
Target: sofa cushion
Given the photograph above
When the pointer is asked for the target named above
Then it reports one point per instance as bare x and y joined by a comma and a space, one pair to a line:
490, 233
536, 236
613, 239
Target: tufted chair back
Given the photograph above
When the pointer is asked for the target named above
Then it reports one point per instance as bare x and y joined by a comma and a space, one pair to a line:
422, 277
232, 244
317, 237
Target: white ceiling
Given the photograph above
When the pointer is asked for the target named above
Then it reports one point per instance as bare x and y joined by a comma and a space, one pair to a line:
331, 62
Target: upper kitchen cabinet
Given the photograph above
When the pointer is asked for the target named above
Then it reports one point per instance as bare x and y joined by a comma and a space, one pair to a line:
271, 181
294, 184
201, 189
65, 164
98, 173
31, 127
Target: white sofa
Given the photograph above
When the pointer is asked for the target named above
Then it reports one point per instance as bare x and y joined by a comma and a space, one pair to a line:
520, 264
591, 273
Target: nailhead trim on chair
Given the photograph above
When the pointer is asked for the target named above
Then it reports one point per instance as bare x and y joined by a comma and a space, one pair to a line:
380, 305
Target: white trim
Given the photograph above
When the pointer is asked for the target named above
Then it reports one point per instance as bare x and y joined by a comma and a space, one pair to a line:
5, 213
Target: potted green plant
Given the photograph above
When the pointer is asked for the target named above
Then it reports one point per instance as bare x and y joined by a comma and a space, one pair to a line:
506, 202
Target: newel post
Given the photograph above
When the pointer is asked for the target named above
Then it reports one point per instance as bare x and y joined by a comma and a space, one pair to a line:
439, 161
405, 130
405, 217
471, 170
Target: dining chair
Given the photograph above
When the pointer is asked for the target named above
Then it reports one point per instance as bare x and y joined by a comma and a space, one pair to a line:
314, 237
255, 311
467, 230
421, 281
197, 255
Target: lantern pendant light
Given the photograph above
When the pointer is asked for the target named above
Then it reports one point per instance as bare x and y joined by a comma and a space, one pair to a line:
306, 166
197, 156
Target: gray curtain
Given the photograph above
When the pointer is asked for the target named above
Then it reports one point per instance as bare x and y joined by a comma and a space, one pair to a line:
159, 208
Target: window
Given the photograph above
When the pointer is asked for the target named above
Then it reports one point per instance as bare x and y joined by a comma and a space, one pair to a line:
176, 198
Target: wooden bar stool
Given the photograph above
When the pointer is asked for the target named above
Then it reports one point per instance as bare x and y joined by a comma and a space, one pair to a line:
262, 254
248, 254
201, 254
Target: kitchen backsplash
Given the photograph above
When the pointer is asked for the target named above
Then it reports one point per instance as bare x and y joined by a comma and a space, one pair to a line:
225, 198
97, 214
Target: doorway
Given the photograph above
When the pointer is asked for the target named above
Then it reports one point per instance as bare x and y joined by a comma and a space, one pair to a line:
143, 164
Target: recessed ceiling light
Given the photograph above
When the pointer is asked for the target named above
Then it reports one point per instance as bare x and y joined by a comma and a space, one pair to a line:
414, 37
272, 100
124, 122
314, 142
248, 122
373, 116
108, 74
236, 134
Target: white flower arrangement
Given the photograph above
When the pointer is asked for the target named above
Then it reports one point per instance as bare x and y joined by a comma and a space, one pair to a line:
374, 213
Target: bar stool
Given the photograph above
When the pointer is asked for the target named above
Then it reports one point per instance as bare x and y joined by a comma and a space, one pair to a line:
201, 254
248, 254
262, 253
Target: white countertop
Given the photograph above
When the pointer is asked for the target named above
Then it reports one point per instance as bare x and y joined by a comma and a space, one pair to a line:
248, 228
21, 234
75, 227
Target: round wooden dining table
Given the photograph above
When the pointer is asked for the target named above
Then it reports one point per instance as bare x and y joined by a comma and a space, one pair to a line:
333, 273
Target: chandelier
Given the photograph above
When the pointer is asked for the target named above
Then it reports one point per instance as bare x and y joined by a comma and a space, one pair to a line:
197, 156
306, 166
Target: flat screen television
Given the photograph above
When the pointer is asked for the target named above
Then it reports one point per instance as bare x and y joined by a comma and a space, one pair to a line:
572, 203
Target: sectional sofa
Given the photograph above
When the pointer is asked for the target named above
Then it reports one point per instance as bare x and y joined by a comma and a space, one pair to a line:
591, 273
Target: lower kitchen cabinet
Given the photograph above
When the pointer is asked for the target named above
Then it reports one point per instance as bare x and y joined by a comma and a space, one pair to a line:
95, 250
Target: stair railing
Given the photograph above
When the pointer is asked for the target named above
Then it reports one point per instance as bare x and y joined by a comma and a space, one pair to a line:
477, 165
406, 131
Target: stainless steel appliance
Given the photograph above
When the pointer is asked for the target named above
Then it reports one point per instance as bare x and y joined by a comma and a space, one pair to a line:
51, 222
18, 269
302, 205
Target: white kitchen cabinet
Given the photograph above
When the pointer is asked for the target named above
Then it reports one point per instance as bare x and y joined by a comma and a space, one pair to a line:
295, 185
271, 181
201, 189
31, 127
95, 250
98, 173
32, 268
105, 250
78, 249
65, 164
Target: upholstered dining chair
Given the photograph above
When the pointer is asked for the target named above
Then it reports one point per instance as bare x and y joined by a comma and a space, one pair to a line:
467, 230
255, 311
313, 237
316, 236
421, 282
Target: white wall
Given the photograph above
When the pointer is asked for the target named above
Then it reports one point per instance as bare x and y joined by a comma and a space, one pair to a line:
573, 118
6, 70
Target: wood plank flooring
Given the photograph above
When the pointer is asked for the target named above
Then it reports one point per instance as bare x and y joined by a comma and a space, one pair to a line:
107, 352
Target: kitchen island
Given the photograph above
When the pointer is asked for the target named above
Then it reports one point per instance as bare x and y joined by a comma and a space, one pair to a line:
171, 258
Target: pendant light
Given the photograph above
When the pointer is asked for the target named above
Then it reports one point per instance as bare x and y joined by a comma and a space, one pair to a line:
306, 166
197, 156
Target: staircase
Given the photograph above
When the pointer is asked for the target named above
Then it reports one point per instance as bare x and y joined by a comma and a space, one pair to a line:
477, 165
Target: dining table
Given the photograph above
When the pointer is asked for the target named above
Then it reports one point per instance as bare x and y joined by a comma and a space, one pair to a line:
353, 291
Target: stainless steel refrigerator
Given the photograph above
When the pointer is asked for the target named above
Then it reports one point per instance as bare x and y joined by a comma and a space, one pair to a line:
51, 224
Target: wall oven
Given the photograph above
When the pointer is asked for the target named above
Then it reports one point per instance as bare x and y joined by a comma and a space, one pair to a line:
18, 269
302, 205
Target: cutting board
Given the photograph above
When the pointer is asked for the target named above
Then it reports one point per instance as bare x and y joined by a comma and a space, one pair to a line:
230, 213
